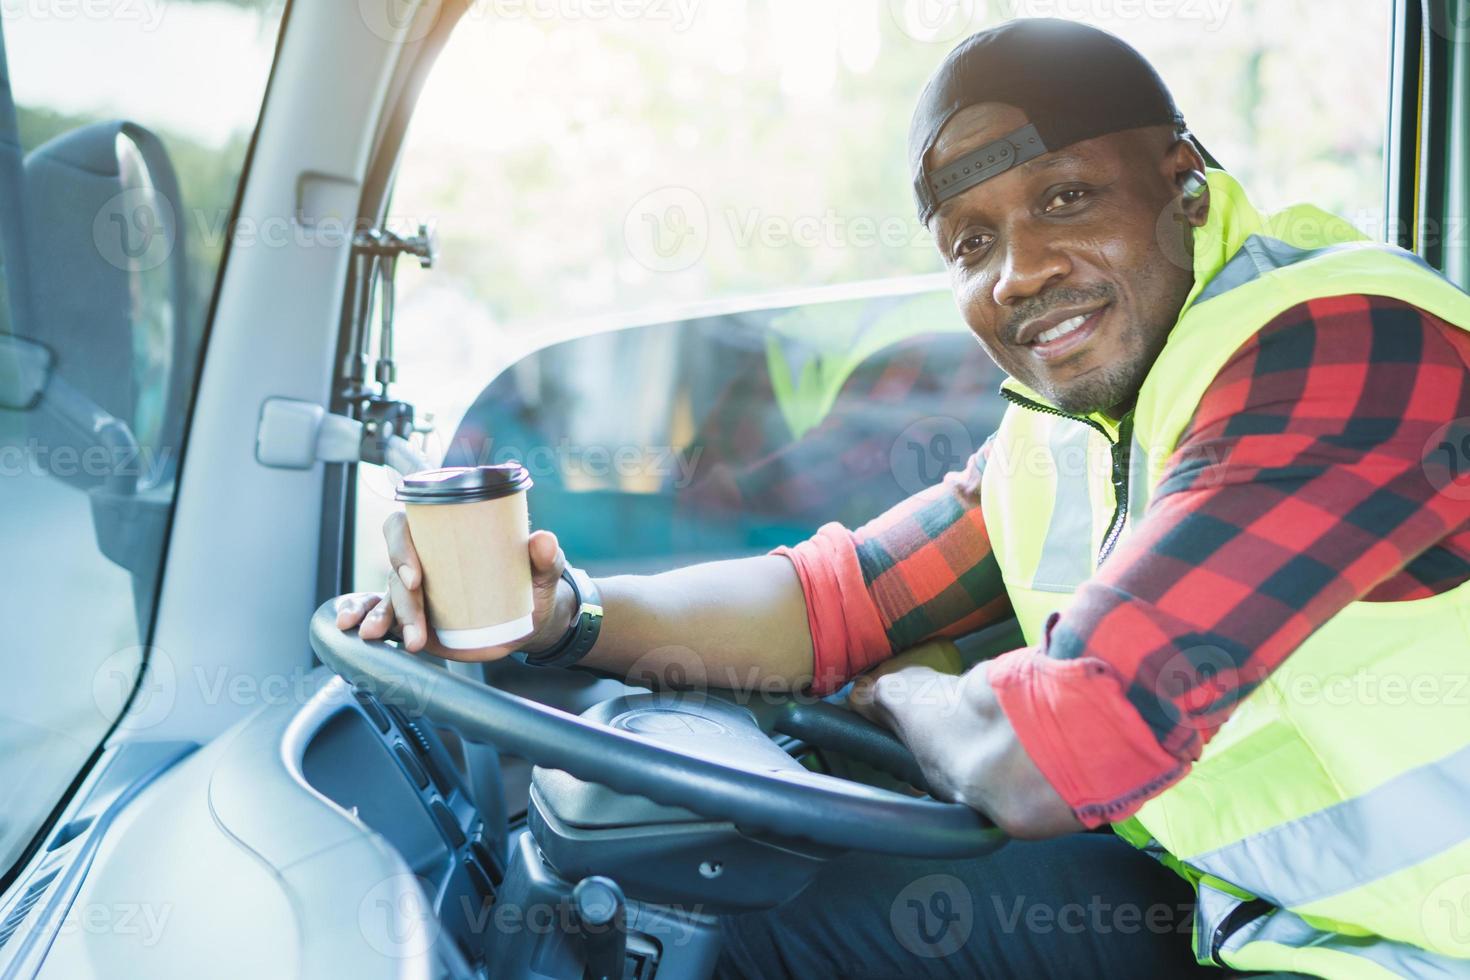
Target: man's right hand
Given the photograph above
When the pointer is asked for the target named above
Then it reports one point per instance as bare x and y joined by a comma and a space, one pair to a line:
401, 604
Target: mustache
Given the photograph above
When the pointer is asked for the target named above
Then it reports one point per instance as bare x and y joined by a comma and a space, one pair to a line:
1055, 298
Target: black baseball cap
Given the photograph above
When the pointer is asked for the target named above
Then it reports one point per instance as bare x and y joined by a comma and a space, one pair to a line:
1073, 82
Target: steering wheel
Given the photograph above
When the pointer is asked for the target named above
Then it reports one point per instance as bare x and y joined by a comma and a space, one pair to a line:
808, 805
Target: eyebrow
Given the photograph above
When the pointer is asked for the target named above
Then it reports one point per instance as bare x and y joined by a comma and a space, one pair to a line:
1047, 162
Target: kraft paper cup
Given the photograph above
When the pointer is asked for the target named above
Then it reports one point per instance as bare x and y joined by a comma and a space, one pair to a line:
470, 528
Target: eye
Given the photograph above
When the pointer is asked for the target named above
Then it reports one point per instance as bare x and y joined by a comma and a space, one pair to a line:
1065, 197
972, 244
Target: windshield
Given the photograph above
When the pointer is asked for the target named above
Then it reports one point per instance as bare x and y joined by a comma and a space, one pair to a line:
731, 176
119, 165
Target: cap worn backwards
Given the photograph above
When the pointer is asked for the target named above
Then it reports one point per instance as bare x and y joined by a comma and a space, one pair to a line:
1072, 81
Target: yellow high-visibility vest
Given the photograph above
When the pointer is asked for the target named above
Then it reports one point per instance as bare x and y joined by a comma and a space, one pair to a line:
1326, 826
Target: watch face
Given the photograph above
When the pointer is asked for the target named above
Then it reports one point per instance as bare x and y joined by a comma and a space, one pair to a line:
581, 633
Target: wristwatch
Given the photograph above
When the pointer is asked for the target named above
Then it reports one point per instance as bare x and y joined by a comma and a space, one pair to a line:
586, 624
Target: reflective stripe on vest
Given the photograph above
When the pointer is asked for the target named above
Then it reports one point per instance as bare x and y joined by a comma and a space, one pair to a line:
1356, 840
1350, 812
1259, 255
1281, 940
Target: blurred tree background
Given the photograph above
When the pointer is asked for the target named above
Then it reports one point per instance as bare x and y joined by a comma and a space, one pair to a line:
587, 169
786, 119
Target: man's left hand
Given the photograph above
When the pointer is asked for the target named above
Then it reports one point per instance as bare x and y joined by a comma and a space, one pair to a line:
939, 656
964, 744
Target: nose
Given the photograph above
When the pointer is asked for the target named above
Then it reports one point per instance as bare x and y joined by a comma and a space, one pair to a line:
1032, 263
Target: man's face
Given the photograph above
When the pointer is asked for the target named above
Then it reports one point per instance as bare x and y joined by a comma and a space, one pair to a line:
1058, 266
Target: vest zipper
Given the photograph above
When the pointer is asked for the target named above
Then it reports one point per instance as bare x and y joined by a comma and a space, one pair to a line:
1242, 915
1119, 451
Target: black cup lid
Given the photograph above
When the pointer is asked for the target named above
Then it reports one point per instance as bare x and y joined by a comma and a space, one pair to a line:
463, 484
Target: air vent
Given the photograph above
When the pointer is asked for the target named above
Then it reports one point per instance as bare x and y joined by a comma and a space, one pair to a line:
69, 833
23, 906
440, 766
417, 734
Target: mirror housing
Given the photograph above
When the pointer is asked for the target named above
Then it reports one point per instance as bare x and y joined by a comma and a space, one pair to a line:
25, 370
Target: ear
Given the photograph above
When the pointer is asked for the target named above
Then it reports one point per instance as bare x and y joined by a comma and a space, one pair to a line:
1182, 167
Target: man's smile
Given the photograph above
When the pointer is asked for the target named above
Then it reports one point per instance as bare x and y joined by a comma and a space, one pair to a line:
1055, 336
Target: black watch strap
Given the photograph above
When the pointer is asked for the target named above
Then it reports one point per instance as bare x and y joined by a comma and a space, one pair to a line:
585, 627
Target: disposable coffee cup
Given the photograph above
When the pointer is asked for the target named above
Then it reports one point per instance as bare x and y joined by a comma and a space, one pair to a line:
470, 528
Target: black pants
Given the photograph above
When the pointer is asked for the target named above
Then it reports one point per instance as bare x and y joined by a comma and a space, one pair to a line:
1088, 905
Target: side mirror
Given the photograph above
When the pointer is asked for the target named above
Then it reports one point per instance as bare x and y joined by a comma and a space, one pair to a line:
25, 369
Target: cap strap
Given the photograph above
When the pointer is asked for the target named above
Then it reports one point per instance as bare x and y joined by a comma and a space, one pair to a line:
995, 157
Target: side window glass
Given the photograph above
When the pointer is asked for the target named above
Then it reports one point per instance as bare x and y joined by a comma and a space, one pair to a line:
120, 158
728, 435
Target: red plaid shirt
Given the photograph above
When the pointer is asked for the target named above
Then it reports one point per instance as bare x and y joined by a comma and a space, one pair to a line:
1319, 488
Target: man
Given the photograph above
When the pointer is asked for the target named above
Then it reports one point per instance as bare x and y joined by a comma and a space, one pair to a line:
1243, 532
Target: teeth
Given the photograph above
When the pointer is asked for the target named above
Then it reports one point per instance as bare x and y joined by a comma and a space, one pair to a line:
1060, 330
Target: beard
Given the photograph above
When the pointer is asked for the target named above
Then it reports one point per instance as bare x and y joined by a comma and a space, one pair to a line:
1109, 390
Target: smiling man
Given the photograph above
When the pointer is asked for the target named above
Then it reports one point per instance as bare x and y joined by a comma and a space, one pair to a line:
1225, 484
1084, 295
1242, 419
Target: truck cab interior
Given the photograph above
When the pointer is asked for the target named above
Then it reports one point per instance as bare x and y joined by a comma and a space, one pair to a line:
259, 257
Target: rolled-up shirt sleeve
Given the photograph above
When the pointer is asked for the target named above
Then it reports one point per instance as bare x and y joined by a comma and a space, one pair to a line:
922, 569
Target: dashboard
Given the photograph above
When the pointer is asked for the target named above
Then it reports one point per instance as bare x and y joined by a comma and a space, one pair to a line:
396, 776
331, 838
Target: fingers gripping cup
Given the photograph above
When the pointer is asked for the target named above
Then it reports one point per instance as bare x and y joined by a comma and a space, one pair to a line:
470, 528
